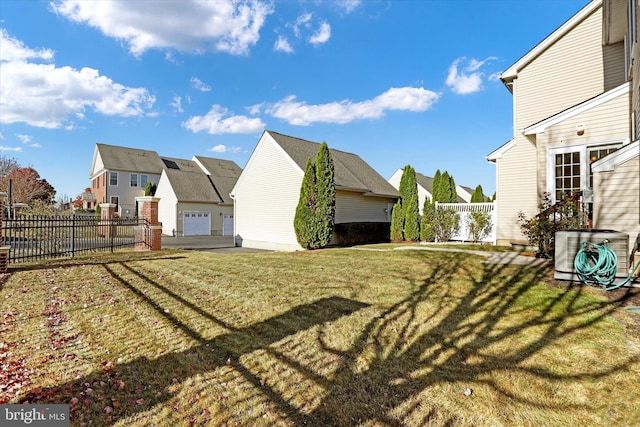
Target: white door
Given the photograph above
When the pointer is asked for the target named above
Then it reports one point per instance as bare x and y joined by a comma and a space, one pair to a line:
196, 224
227, 225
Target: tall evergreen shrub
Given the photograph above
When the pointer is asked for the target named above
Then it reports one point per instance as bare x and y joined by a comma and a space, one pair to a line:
326, 195
478, 195
315, 214
396, 222
304, 222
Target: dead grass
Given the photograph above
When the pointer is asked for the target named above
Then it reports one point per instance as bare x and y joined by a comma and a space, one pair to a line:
335, 337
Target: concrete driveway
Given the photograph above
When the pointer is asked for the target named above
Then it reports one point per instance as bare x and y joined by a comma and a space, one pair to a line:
218, 244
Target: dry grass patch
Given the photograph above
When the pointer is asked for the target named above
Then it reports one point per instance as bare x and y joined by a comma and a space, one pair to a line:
331, 337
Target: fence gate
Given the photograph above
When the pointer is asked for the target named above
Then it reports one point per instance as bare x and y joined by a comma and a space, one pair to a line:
39, 237
464, 214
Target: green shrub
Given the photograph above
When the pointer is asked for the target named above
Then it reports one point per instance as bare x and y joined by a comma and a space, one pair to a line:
426, 221
479, 225
446, 224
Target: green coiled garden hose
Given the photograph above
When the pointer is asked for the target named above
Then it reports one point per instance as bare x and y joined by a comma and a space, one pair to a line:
596, 266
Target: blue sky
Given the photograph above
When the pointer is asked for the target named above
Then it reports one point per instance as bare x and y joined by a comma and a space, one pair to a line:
397, 82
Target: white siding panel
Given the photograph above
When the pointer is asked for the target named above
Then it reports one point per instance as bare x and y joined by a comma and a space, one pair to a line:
167, 206
355, 207
567, 73
516, 189
617, 199
266, 196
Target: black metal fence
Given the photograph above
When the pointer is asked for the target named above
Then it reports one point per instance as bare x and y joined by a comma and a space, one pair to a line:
40, 237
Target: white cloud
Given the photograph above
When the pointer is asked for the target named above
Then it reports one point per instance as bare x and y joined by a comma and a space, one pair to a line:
35, 145
196, 83
44, 95
348, 5
177, 104
224, 149
4, 148
282, 45
321, 35
14, 50
25, 139
188, 25
215, 122
403, 99
470, 79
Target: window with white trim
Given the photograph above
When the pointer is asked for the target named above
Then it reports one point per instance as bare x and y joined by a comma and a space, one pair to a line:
133, 180
569, 167
143, 181
113, 178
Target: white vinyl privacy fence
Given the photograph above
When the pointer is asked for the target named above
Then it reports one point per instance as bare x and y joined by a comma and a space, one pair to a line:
464, 211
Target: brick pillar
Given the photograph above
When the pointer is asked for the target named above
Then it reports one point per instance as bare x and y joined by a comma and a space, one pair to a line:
107, 213
149, 235
4, 250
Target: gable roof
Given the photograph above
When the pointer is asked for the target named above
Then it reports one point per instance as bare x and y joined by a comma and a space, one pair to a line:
189, 182
128, 159
425, 182
223, 173
512, 72
351, 172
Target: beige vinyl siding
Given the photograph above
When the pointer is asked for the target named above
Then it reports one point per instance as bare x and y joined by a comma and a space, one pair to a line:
355, 207
565, 74
604, 124
516, 189
266, 196
614, 71
617, 199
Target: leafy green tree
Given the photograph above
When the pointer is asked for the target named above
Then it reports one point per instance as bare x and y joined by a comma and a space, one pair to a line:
315, 214
304, 222
451, 190
426, 221
410, 206
412, 219
150, 189
326, 195
478, 195
437, 190
396, 222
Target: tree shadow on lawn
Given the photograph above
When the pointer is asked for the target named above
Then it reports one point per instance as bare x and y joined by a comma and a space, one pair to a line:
440, 333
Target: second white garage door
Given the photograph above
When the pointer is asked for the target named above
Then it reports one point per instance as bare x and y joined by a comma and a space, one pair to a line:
196, 224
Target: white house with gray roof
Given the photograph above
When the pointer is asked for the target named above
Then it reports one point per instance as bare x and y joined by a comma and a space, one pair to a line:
194, 194
267, 192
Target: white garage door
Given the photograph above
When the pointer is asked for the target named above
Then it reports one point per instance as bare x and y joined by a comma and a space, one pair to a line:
227, 225
196, 224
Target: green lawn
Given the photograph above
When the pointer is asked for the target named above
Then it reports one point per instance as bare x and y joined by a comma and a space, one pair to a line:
336, 337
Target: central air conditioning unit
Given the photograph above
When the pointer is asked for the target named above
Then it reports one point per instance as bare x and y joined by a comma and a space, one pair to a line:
568, 243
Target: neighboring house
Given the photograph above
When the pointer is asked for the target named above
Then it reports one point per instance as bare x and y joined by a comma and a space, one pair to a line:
576, 122
194, 196
267, 193
120, 174
425, 184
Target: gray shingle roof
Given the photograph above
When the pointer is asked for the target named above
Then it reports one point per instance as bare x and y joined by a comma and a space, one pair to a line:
425, 181
224, 174
190, 183
351, 172
129, 159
